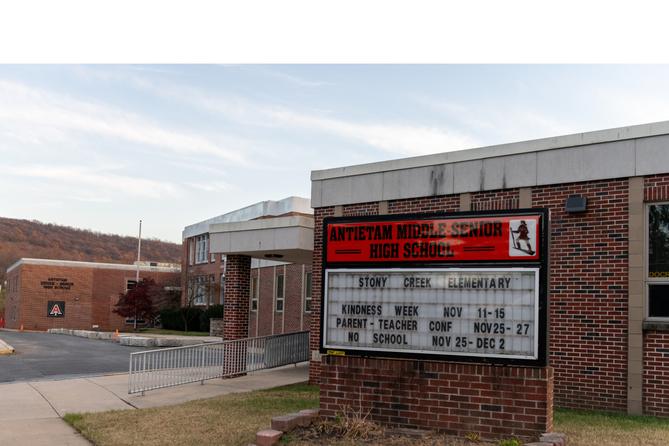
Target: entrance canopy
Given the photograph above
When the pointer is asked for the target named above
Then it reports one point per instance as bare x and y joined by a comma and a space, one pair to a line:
285, 239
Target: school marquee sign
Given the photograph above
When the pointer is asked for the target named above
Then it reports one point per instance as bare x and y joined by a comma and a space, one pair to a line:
466, 286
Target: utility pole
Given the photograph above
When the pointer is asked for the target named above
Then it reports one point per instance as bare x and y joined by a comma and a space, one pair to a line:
139, 251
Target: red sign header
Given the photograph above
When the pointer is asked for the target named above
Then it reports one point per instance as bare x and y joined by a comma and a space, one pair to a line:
500, 238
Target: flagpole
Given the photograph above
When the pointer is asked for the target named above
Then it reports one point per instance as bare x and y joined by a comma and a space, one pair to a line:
139, 251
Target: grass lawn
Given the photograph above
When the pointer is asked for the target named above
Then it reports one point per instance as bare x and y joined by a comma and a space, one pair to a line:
585, 428
234, 419
226, 420
172, 332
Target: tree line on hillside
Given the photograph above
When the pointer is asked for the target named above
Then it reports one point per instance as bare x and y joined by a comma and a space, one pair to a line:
26, 238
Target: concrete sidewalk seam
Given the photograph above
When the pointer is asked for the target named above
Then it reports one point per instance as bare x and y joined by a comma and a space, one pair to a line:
44, 398
113, 393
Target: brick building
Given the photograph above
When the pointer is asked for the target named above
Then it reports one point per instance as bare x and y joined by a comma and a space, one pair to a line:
43, 294
279, 292
607, 194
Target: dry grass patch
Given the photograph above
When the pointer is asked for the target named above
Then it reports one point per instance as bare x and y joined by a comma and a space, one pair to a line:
585, 428
352, 428
226, 420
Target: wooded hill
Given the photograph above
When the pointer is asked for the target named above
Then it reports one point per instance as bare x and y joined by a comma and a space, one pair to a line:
33, 239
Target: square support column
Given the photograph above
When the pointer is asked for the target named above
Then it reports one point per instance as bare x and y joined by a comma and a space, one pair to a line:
236, 304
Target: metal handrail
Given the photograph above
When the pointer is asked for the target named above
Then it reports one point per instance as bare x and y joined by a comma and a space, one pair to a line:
166, 367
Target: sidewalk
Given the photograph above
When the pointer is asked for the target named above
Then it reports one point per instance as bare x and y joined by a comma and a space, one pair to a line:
30, 411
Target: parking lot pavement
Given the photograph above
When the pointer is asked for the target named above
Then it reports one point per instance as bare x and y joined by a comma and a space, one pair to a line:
45, 355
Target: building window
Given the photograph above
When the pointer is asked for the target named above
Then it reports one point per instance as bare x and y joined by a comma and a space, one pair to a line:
279, 292
657, 279
254, 293
199, 290
130, 284
307, 293
191, 251
201, 248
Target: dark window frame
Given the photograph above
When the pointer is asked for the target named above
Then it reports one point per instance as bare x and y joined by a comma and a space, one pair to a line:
649, 280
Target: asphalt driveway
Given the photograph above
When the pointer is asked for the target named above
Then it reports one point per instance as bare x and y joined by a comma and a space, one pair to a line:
45, 355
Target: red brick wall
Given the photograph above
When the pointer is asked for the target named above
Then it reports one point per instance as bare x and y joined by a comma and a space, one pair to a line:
89, 301
495, 200
494, 401
260, 322
423, 394
361, 209
442, 203
656, 188
209, 268
293, 305
588, 294
317, 264
237, 283
266, 301
588, 288
656, 373
278, 315
656, 343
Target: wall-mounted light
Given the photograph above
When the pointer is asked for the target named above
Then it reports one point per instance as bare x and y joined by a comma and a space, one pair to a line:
575, 204
274, 256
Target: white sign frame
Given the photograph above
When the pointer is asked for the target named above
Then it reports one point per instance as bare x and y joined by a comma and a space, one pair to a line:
533, 357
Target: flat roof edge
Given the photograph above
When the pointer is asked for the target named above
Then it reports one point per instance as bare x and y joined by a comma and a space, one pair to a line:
292, 221
99, 265
514, 148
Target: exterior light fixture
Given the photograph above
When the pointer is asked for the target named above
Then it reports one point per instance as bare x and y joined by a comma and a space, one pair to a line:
575, 204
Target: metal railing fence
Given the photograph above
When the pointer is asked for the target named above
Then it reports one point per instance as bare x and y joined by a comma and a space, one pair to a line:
155, 369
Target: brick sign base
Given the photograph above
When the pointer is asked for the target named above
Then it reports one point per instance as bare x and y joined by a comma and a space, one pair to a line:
454, 398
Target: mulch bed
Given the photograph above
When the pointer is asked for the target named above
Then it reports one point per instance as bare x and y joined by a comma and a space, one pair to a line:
334, 434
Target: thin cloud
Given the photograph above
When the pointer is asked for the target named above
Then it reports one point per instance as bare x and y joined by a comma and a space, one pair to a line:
44, 110
398, 139
503, 124
214, 186
102, 180
289, 78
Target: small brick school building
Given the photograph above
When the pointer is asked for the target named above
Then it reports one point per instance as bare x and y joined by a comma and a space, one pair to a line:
256, 261
43, 294
607, 194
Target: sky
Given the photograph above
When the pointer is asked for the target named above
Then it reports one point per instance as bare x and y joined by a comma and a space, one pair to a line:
100, 147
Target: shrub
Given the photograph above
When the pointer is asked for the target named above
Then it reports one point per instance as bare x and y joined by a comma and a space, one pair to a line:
214, 311
182, 318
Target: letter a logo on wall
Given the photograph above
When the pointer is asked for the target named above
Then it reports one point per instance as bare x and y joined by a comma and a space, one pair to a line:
56, 308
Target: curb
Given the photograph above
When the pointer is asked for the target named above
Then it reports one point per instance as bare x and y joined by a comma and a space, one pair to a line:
5, 349
131, 340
